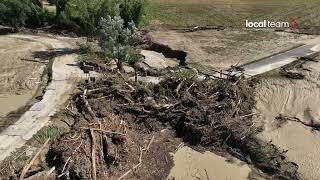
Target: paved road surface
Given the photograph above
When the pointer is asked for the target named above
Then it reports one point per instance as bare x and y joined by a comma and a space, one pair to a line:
280, 60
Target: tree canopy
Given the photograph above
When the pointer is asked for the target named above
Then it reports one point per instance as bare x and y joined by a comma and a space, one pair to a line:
118, 41
21, 13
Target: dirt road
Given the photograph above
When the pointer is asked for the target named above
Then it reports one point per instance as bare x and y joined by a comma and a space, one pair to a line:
65, 73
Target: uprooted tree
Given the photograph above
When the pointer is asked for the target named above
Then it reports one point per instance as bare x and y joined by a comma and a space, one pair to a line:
118, 42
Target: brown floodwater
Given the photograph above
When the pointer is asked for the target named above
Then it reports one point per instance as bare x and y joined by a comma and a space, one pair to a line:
9, 103
193, 165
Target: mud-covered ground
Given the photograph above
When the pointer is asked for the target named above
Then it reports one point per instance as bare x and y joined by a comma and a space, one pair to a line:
298, 101
218, 50
27, 60
19, 78
117, 128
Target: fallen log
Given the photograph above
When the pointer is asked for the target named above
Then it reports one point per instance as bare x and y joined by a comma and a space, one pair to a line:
27, 167
87, 105
93, 155
202, 28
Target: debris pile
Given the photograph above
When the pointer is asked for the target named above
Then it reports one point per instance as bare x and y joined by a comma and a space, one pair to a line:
115, 120
210, 114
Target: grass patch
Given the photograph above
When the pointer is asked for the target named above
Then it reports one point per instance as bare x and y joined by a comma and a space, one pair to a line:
214, 50
184, 74
52, 132
181, 13
204, 69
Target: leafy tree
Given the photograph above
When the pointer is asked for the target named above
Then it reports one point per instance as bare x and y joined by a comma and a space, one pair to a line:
52, 2
38, 14
132, 10
14, 13
83, 16
132, 59
20, 13
108, 8
60, 6
118, 41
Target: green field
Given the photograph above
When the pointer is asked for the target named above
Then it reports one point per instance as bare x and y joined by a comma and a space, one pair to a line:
178, 13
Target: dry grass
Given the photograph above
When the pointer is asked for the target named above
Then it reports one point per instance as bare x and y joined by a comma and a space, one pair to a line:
177, 13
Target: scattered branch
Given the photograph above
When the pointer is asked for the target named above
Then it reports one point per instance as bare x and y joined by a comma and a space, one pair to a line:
104, 131
93, 155
131, 87
50, 171
97, 89
65, 164
295, 119
244, 116
87, 105
27, 167
179, 87
140, 159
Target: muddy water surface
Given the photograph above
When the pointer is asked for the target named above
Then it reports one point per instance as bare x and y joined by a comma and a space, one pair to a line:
193, 165
298, 99
9, 103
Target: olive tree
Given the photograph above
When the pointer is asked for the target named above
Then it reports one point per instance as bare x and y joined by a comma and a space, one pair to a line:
118, 41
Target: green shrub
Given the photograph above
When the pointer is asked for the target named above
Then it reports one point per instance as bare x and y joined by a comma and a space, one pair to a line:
14, 13
86, 48
36, 18
132, 10
60, 6
22, 13
118, 41
52, 2
83, 16
51, 132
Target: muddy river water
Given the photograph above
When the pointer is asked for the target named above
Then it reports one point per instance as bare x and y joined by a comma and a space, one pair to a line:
9, 103
193, 165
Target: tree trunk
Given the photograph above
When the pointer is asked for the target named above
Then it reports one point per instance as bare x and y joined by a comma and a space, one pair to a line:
135, 75
120, 66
